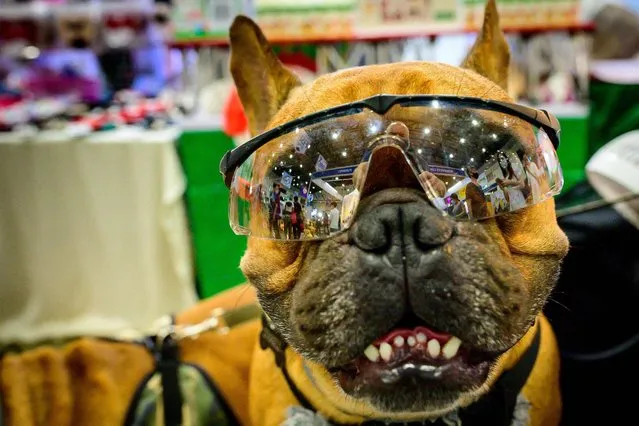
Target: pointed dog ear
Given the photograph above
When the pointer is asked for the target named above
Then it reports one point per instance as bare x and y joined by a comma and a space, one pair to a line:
490, 55
263, 82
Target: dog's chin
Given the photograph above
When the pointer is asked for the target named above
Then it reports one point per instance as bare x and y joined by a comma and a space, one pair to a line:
425, 371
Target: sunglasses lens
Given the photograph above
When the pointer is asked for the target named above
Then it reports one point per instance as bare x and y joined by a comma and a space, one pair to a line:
472, 164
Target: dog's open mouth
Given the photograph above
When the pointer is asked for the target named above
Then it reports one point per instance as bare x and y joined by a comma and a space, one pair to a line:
417, 354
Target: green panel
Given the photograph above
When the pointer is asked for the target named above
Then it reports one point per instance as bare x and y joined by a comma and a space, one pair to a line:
573, 150
200, 153
217, 249
614, 111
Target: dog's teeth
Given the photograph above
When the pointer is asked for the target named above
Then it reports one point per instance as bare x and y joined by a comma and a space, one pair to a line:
433, 348
372, 353
411, 341
386, 351
421, 337
399, 341
451, 347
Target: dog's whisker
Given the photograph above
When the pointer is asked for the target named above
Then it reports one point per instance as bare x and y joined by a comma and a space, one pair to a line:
550, 299
461, 80
490, 89
242, 293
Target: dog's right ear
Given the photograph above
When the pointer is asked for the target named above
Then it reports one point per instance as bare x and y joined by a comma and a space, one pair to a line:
263, 82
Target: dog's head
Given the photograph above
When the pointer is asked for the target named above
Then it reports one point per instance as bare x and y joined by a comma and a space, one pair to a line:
483, 282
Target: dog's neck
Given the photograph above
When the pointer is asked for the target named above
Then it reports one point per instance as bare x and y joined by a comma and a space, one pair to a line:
496, 407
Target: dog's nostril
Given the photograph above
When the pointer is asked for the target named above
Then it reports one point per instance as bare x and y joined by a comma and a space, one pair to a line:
431, 233
372, 236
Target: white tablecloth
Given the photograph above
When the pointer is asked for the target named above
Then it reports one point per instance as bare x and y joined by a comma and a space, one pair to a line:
93, 235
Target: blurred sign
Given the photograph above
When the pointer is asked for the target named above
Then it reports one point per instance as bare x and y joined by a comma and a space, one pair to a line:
446, 171
287, 179
321, 163
340, 171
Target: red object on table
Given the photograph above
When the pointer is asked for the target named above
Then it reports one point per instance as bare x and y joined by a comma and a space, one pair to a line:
234, 121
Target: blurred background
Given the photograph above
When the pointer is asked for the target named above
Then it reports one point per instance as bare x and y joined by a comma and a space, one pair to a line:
114, 115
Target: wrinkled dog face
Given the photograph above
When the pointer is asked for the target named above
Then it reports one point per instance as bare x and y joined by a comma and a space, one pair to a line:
408, 310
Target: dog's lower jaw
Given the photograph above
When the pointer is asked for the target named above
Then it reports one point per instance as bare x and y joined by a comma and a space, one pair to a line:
318, 382
347, 409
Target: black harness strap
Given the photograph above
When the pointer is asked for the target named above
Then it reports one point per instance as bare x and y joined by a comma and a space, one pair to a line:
270, 340
496, 408
168, 366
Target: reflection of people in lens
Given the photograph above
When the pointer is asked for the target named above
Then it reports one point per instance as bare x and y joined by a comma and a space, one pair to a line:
334, 218
433, 183
288, 224
275, 211
475, 198
456, 208
297, 218
533, 175
514, 186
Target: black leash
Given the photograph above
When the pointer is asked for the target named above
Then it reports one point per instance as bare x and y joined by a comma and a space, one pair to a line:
496, 408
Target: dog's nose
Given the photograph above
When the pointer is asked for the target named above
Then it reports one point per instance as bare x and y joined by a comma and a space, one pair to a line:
417, 224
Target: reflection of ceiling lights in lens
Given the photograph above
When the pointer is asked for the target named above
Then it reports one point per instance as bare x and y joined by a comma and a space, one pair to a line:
281, 145
427, 131
475, 123
419, 151
450, 156
494, 136
483, 150
472, 159
462, 140
335, 134
435, 104
344, 154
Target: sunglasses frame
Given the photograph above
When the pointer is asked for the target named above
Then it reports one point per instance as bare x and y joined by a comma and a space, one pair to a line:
380, 104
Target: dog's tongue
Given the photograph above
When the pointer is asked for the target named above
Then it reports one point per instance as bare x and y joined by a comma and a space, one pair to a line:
420, 334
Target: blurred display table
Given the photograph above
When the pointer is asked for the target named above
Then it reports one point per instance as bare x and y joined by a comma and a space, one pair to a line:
93, 234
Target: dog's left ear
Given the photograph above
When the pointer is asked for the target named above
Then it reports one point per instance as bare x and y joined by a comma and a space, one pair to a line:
490, 55
263, 82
